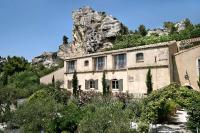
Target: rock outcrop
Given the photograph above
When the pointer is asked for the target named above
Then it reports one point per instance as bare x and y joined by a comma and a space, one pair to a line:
92, 32
48, 59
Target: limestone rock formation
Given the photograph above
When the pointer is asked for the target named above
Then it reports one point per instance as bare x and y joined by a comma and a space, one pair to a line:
157, 31
92, 32
180, 25
48, 59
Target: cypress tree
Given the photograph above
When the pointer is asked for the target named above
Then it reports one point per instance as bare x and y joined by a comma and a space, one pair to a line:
149, 83
104, 84
75, 84
53, 81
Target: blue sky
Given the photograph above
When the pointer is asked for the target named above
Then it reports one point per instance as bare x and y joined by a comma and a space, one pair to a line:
30, 27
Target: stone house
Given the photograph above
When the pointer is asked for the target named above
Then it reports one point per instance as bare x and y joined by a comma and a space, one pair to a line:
126, 69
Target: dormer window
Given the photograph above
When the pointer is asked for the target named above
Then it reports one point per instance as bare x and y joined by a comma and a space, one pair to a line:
139, 57
86, 63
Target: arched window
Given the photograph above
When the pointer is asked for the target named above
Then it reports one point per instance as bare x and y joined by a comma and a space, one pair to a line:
139, 57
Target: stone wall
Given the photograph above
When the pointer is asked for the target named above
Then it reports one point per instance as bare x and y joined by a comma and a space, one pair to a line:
58, 76
186, 64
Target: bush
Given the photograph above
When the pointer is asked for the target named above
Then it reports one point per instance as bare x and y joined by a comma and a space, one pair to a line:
160, 104
105, 115
38, 113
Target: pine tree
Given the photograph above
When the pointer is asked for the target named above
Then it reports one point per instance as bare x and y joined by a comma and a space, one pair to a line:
149, 83
65, 40
75, 84
142, 30
104, 84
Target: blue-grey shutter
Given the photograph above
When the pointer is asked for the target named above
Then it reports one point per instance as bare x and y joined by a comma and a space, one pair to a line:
69, 84
121, 85
96, 84
107, 82
86, 84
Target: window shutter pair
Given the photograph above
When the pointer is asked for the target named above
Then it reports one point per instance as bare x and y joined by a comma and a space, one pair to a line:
87, 84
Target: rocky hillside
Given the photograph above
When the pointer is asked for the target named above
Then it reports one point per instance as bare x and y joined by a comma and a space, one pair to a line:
48, 59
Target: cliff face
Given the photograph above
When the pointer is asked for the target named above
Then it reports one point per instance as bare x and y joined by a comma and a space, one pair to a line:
92, 32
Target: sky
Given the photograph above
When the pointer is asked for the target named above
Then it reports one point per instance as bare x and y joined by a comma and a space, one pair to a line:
30, 27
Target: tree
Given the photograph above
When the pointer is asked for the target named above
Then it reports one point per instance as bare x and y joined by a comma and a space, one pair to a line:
104, 84
149, 81
170, 26
15, 64
53, 81
198, 82
187, 23
75, 84
142, 30
65, 40
38, 113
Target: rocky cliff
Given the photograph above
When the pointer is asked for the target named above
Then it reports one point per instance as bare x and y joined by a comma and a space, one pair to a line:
92, 32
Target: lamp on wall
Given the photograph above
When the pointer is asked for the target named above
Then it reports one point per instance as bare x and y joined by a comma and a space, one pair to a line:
186, 75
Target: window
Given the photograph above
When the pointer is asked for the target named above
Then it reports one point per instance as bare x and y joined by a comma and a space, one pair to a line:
71, 66
115, 84
99, 63
139, 57
86, 63
69, 84
91, 84
120, 61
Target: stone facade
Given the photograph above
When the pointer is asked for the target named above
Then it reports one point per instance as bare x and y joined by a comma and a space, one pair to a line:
167, 62
157, 57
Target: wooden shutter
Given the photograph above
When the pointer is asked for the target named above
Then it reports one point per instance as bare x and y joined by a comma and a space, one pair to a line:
69, 84
96, 84
86, 84
121, 85
107, 82
67, 63
94, 64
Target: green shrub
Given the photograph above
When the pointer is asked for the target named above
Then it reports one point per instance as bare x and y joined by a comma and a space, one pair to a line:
104, 115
